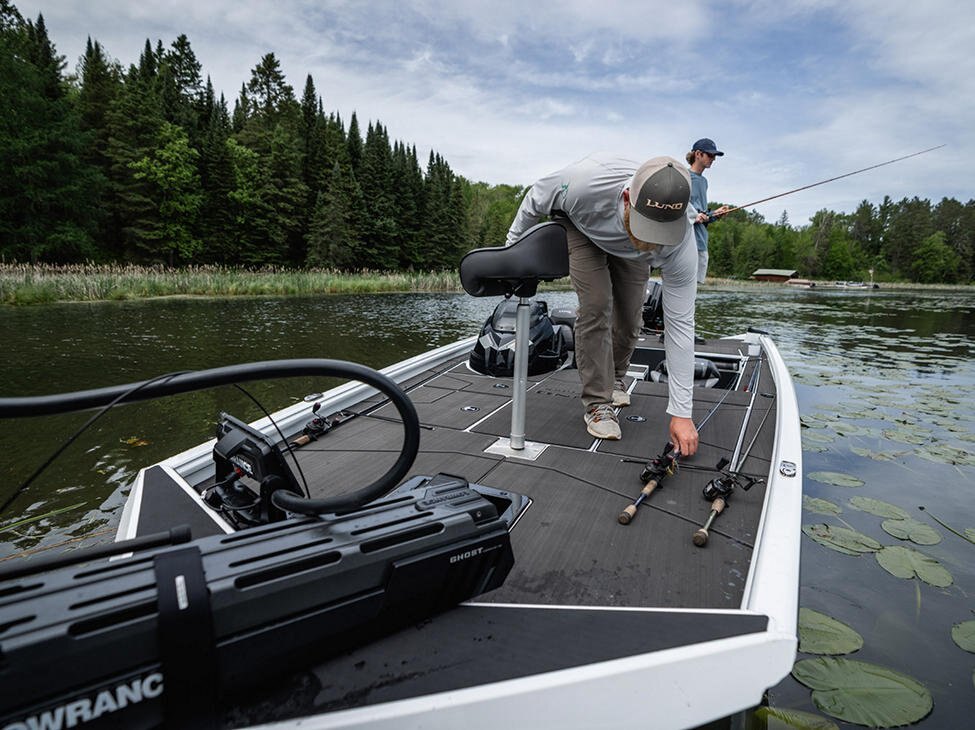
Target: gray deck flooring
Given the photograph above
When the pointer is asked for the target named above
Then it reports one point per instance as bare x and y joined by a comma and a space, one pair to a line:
575, 565
569, 548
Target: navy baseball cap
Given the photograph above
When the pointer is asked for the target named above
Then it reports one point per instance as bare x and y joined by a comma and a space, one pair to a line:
707, 145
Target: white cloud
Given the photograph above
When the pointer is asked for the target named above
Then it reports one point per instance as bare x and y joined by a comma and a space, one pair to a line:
794, 92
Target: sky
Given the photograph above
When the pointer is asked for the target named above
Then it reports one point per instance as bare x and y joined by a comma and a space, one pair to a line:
793, 92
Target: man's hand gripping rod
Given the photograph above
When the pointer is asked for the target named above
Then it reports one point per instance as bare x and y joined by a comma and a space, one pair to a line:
663, 466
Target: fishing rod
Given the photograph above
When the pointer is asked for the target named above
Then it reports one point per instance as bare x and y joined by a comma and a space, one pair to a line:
663, 466
713, 217
719, 489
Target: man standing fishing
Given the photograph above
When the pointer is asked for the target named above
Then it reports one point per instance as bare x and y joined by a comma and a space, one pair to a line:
621, 217
700, 158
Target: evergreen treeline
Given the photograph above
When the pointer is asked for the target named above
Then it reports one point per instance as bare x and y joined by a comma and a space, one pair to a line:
912, 240
148, 165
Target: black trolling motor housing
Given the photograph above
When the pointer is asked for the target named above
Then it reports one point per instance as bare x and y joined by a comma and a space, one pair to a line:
162, 636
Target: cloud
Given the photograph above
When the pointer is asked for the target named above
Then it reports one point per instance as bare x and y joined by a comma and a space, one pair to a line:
506, 91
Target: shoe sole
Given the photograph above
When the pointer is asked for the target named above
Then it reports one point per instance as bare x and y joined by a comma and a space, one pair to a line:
621, 401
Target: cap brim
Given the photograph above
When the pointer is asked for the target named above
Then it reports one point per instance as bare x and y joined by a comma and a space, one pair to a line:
663, 234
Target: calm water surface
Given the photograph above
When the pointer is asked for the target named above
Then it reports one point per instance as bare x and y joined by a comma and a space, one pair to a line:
885, 382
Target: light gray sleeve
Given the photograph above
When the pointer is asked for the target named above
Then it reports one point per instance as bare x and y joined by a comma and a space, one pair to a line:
679, 293
539, 201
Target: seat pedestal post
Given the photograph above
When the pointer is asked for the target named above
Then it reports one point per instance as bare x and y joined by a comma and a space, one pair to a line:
520, 384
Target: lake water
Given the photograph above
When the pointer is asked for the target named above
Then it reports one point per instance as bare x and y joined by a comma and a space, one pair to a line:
885, 381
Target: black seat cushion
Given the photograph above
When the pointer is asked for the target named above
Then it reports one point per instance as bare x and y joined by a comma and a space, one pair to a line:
540, 255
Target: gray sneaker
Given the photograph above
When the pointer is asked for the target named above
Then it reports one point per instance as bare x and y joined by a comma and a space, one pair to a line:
601, 422
621, 398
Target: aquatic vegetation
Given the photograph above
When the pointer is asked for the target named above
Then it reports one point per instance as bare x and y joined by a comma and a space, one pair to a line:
864, 693
963, 634
817, 437
915, 437
836, 479
947, 454
774, 717
907, 563
820, 506
878, 455
822, 634
908, 528
842, 539
877, 507
44, 284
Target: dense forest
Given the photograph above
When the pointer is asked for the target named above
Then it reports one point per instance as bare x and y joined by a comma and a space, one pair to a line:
148, 165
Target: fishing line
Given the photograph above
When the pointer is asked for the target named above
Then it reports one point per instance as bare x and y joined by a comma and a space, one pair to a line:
66, 444
838, 177
294, 456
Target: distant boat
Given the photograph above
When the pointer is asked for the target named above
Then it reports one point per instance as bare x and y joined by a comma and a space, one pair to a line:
801, 283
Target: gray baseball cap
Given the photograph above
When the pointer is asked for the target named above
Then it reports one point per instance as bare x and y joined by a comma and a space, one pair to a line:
659, 195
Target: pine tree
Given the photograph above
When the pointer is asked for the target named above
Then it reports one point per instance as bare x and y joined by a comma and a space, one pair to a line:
169, 170
135, 120
380, 231
47, 190
332, 237
353, 145
217, 180
180, 87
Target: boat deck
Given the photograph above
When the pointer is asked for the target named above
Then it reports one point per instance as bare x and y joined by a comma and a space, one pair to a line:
583, 588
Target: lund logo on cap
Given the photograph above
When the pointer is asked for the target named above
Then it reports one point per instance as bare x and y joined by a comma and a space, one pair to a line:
651, 203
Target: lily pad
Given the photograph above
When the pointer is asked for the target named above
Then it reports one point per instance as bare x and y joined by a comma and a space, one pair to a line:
863, 693
822, 634
817, 437
905, 436
878, 455
962, 634
878, 508
779, 719
852, 429
947, 454
842, 539
913, 530
907, 563
836, 478
820, 506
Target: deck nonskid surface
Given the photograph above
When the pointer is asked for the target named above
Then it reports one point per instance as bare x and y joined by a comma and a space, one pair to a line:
584, 588
569, 548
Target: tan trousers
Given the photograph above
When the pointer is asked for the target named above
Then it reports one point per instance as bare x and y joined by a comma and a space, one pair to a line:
611, 292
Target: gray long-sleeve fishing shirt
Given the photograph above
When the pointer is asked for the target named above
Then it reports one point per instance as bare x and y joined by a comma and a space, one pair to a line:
590, 194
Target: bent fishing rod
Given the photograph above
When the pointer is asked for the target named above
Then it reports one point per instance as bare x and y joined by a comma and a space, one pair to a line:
713, 217
663, 466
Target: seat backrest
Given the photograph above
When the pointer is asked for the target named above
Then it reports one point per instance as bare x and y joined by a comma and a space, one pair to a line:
541, 254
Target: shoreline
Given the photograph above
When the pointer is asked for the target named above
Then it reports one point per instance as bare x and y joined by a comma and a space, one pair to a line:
26, 285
